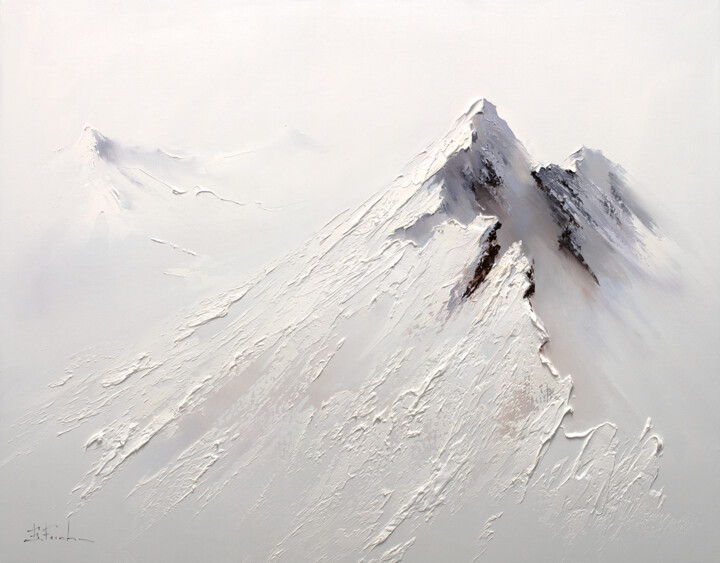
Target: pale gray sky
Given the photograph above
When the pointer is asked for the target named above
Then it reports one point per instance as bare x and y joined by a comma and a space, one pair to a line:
373, 81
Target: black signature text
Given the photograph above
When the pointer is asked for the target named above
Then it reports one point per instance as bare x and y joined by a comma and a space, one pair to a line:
51, 533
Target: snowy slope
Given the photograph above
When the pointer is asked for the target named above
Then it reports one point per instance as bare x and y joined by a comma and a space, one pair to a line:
386, 391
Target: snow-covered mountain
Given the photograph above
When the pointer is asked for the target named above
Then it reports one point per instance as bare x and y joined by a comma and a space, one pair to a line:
392, 389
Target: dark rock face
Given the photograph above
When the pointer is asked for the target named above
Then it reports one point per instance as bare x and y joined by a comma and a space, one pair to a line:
486, 186
566, 241
490, 250
530, 274
566, 206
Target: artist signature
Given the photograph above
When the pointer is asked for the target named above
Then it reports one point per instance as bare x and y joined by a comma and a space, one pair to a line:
52, 533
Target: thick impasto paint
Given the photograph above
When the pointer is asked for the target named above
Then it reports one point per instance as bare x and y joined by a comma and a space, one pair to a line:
229, 334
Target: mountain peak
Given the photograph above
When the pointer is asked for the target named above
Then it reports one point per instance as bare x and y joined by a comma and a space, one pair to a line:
480, 106
90, 137
93, 142
587, 154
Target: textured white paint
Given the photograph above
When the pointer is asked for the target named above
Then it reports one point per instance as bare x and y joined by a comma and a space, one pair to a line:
90, 304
